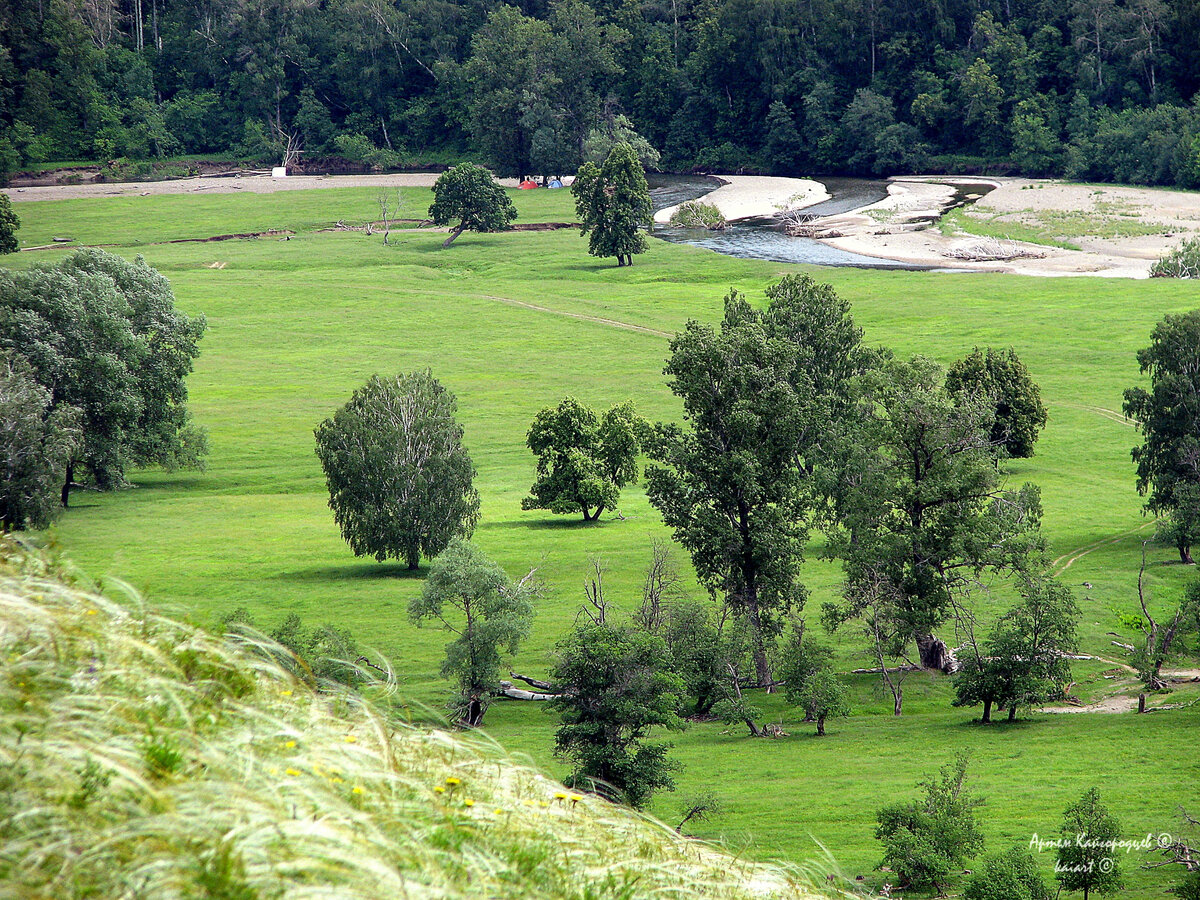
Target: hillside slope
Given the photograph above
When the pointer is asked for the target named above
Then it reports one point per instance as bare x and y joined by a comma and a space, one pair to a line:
141, 756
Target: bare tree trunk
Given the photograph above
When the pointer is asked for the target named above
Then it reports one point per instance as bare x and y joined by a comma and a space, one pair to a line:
987, 712
820, 725
66, 488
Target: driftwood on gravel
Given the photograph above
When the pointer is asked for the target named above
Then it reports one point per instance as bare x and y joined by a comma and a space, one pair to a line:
991, 250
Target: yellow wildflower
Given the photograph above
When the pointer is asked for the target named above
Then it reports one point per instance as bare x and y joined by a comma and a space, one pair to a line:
356, 790
290, 744
292, 771
453, 782
468, 802
439, 789
560, 796
350, 739
285, 693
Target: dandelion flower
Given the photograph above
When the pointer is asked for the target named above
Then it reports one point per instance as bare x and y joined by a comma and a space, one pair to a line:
91, 612
356, 790
290, 744
350, 739
543, 804
498, 811
453, 782
575, 798
468, 802
439, 789
560, 796
292, 771
285, 693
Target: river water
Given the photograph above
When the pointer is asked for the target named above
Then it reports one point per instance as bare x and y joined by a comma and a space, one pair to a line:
764, 238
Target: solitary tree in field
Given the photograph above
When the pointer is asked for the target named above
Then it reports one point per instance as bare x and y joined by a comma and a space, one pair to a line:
1084, 862
491, 616
1000, 376
9, 223
616, 684
36, 440
1168, 415
823, 697
583, 459
103, 336
400, 480
613, 202
469, 196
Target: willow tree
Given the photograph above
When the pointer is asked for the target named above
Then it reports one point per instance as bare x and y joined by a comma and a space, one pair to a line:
613, 202
487, 611
399, 477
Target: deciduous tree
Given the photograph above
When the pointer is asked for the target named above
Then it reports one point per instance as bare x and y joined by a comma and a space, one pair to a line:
103, 335
924, 513
1168, 416
9, 223
36, 440
1086, 860
399, 477
469, 194
1001, 377
613, 202
616, 684
491, 616
583, 459
928, 841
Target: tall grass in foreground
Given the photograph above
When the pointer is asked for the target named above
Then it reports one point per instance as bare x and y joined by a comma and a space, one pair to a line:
143, 757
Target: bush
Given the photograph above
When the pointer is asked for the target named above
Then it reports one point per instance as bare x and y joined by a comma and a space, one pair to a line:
9, 223
1182, 262
697, 214
1007, 876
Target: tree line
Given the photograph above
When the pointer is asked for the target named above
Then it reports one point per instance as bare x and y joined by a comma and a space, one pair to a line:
1090, 89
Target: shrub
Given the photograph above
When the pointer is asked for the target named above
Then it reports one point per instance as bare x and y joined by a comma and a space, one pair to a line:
698, 214
1182, 262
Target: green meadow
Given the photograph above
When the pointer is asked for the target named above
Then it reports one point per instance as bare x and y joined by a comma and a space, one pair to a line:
513, 322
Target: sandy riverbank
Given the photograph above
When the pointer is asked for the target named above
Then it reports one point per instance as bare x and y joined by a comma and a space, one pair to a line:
1116, 231
746, 196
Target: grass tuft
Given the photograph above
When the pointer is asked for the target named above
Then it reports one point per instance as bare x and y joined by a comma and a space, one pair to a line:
140, 756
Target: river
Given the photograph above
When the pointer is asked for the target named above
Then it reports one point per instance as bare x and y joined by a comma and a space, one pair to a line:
764, 238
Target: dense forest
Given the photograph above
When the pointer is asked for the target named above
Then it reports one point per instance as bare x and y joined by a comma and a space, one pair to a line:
1089, 89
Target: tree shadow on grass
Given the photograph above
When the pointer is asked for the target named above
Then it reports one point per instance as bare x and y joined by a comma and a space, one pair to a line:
565, 523
352, 571
998, 725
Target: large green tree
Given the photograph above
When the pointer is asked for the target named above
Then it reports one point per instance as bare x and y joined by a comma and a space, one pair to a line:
728, 484
1027, 656
467, 198
616, 684
1168, 416
1000, 376
490, 614
613, 203
36, 440
103, 335
399, 477
924, 514
583, 459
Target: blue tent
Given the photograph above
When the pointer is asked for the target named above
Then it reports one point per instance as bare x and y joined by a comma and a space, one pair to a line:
555, 184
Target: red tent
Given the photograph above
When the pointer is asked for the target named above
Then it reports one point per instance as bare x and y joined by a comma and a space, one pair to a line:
528, 185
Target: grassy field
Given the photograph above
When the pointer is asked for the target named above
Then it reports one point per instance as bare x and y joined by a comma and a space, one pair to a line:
512, 323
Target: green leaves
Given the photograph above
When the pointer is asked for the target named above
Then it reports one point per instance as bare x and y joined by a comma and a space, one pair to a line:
475, 599
468, 193
400, 480
583, 459
612, 202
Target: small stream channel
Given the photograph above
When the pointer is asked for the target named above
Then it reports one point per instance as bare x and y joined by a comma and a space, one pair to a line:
764, 238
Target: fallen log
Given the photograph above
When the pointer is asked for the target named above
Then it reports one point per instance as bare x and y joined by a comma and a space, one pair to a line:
516, 693
533, 682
